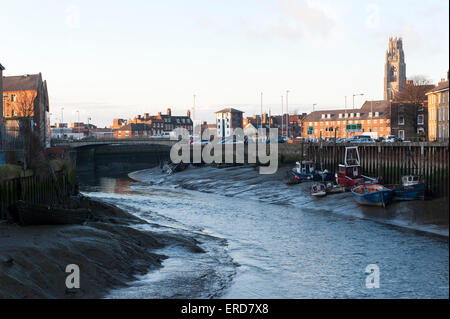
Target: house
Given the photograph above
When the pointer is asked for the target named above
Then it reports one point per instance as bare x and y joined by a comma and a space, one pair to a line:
438, 112
26, 96
1, 88
133, 130
228, 120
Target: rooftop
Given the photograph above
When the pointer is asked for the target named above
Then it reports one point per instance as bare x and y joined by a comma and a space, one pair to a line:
440, 87
21, 82
382, 107
229, 110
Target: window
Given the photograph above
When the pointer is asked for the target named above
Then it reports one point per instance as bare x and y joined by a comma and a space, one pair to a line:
401, 120
13, 98
420, 119
401, 134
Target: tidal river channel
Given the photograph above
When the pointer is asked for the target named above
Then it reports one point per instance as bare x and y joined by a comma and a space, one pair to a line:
263, 239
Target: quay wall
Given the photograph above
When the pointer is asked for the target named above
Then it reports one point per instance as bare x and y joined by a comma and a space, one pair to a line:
388, 160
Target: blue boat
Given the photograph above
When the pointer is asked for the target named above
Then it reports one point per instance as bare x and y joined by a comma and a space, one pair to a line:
410, 189
372, 194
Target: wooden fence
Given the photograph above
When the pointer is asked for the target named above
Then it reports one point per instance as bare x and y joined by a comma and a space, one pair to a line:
388, 160
35, 190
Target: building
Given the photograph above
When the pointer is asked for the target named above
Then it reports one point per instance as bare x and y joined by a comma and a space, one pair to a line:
208, 129
133, 130
1, 88
26, 96
395, 69
228, 120
118, 123
407, 121
438, 113
372, 118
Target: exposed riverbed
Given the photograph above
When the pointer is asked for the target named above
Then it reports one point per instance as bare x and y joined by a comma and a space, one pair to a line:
263, 239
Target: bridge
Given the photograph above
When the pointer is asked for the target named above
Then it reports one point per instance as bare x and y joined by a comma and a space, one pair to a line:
101, 142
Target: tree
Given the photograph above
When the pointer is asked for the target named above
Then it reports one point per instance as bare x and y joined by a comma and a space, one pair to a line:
415, 91
25, 104
414, 94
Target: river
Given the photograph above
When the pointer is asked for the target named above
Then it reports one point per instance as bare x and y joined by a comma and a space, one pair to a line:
264, 239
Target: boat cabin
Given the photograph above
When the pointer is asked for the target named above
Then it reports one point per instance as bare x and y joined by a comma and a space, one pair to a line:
305, 167
409, 180
352, 163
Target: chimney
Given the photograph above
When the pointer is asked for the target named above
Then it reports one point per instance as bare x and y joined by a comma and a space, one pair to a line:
264, 118
188, 113
159, 114
169, 112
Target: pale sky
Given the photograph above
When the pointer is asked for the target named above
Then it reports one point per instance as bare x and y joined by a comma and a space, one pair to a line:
117, 59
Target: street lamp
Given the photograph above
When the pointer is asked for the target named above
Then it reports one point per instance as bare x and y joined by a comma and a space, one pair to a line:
361, 94
287, 113
62, 115
282, 115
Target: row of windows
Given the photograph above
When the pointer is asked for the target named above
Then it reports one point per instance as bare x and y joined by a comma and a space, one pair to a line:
374, 129
381, 121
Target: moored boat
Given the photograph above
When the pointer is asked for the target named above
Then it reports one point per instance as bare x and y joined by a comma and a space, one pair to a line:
335, 188
372, 194
349, 173
305, 171
411, 188
318, 190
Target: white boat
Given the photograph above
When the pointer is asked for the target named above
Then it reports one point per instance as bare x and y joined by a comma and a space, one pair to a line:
318, 190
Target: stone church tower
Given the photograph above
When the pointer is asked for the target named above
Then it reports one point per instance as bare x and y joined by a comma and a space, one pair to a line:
395, 69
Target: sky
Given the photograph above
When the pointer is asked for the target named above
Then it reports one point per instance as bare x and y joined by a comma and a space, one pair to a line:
116, 59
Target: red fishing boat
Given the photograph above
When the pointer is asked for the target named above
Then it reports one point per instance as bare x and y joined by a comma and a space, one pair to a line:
349, 173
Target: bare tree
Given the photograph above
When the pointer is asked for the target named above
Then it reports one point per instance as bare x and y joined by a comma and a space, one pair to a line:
415, 94
25, 104
415, 90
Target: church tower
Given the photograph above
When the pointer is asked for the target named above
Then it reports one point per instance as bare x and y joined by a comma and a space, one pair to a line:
395, 69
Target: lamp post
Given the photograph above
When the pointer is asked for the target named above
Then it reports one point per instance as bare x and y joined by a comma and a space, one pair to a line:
282, 115
62, 115
287, 113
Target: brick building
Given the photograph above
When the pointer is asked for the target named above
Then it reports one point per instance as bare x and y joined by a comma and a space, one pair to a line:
438, 112
372, 117
133, 130
26, 96
1, 88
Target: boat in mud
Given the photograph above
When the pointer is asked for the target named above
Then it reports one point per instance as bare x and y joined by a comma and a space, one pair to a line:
334, 188
372, 194
306, 171
411, 188
349, 173
27, 214
169, 167
318, 190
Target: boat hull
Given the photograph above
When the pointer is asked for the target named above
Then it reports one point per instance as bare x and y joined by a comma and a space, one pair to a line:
410, 192
381, 197
27, 214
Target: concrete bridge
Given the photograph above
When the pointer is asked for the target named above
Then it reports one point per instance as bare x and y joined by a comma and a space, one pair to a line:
101, 142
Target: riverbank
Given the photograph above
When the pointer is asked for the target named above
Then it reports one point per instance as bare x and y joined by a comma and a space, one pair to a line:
430, 216
110, 252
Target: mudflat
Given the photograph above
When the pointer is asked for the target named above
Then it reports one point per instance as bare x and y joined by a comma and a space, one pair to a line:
110, 254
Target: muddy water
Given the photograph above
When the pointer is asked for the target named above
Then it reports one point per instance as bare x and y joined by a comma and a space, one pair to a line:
263, 239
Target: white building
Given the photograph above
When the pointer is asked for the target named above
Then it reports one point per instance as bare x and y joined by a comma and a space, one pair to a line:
227, 120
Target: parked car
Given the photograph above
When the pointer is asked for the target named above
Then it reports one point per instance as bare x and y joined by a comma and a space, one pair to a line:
363, 140
391, 139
